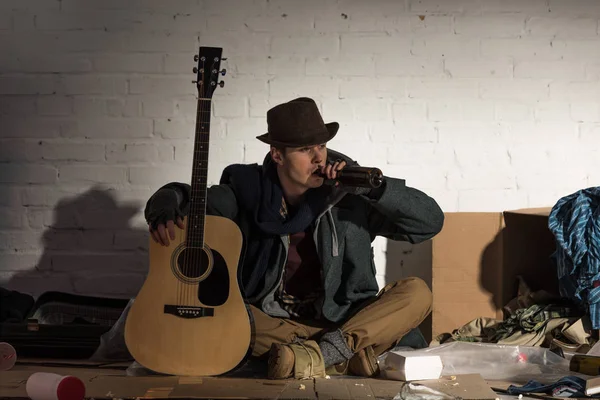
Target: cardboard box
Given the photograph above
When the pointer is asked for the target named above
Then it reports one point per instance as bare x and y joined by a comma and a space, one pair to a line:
477, 257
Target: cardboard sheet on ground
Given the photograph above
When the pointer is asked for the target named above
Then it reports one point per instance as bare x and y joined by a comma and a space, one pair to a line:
467, 387
225, 388
105, 382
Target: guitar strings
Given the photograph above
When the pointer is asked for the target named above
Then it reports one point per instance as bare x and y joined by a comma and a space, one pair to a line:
192, 215
195, 260
192, 264
197, 252
183, 285
197, 146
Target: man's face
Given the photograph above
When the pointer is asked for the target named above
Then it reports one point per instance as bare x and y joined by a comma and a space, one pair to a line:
298, 164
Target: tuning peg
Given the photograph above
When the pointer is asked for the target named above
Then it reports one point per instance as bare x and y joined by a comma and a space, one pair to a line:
196, 57
223, 71
223, 59
194, 81
222, 83
195, 70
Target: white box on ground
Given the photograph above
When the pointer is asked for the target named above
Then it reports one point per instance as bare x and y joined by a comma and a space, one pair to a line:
404, 366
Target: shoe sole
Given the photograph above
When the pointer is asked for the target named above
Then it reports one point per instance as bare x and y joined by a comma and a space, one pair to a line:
275, 369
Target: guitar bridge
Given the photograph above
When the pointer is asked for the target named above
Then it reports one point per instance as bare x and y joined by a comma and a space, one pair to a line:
189, 312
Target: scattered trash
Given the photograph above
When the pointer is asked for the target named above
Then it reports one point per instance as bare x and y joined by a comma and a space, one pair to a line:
496, 361
47, 385
302, 387
412, 391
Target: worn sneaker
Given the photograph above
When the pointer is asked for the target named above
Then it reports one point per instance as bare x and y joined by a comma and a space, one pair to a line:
299, 360
364, 363
338, 369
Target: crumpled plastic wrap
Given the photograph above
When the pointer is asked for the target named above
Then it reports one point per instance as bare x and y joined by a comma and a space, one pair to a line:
411, 391
498, 362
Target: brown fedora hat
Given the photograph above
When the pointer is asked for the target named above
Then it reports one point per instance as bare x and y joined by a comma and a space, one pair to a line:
297, 123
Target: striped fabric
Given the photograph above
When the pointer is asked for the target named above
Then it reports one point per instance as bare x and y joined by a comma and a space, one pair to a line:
307, 308
575, 223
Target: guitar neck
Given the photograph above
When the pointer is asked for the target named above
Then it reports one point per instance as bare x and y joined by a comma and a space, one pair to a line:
195, 225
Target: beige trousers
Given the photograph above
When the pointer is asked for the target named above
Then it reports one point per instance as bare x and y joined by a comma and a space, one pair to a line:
380, 323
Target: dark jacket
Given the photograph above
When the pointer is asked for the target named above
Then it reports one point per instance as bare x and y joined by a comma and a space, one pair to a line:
343, 234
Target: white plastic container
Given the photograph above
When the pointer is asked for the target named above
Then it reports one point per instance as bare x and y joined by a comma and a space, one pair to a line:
411, 366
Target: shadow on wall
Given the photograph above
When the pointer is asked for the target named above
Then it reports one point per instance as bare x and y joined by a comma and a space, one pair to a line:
490, 276
89, 249
404, 260
524, 247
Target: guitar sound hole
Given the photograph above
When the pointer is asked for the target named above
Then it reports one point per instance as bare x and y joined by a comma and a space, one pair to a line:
192, 263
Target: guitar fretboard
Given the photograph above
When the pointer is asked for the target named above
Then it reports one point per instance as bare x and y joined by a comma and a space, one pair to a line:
195, 236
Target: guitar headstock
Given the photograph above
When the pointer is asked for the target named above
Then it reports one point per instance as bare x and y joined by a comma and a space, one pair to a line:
207, 70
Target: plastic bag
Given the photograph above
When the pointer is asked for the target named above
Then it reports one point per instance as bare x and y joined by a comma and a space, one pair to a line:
498, 362
112, 343
412, 391
137, 369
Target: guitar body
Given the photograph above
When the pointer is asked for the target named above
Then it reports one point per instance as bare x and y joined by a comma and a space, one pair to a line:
169, 329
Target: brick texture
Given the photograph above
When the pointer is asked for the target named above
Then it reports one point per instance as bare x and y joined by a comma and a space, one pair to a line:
485, 105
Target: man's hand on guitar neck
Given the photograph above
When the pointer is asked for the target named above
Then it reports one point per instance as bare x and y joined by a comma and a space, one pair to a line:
160, 233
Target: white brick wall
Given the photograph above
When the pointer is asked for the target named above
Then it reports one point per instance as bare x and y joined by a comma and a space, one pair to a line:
485, 104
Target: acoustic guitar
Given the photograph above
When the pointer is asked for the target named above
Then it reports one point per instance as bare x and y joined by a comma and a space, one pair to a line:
190, 318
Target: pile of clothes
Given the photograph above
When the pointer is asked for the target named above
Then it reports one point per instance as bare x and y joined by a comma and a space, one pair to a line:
533, 319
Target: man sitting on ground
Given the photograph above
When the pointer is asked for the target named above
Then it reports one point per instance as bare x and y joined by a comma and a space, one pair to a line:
308, 272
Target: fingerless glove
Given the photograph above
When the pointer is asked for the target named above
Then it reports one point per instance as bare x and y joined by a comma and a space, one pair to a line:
163, 206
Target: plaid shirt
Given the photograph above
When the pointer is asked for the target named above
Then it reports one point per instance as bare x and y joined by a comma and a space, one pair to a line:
575, 223
310, 306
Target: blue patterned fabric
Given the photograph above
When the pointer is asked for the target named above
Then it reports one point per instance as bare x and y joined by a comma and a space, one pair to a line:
569, 386
575, 223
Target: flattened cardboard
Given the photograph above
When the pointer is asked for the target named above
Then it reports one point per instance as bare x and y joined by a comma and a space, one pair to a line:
130, 387
477, 257
227, 388
299, 390
467, 387
361, 388
109, 384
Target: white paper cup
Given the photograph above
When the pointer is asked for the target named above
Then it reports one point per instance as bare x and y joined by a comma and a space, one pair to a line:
49, 386
8, 356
